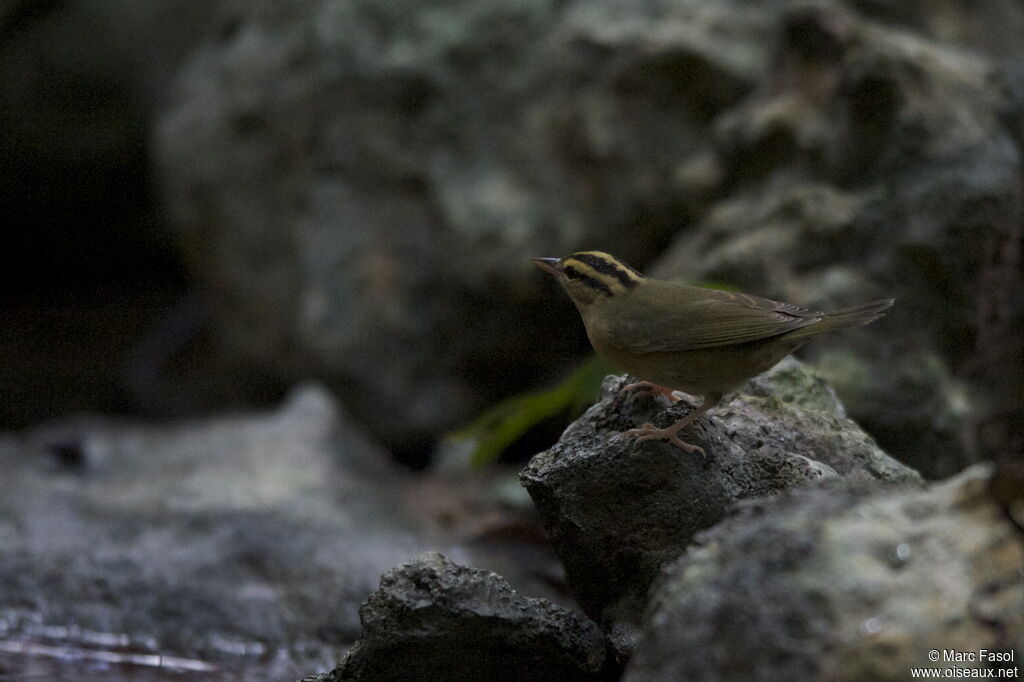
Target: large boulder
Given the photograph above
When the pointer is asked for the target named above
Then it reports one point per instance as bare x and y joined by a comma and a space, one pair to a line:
358, 185
617, 512
357, 182
843, 582
872, 161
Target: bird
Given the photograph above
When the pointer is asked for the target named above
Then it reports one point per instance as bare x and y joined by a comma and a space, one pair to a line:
673, 337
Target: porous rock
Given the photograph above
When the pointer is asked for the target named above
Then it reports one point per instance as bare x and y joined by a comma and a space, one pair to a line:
878, 161
432, 619
792, 410
841, 582
617, 512
358, 185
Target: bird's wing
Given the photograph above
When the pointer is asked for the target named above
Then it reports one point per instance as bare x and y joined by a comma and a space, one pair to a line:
690, 318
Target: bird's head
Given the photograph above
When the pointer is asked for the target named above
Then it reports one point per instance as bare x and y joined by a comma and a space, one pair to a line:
590, 276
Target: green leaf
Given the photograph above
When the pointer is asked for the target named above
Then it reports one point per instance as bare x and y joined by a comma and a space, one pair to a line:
508, 421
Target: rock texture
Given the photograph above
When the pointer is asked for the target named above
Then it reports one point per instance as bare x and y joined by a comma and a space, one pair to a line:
616, 512
872, 160
357, 182
358, 185
246, 543
432, 619
791, 411
840, 582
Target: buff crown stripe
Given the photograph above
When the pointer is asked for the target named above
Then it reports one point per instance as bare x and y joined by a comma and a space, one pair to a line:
593, 282
608, 267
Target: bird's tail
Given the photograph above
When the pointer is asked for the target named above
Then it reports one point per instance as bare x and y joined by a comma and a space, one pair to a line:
844, 318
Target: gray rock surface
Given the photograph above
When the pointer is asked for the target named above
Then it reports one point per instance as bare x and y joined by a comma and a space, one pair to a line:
917, 408
358, 182
358, 185
790, 410
876, 161
243, 542
616, 512
840, 582
432, 620
327, 164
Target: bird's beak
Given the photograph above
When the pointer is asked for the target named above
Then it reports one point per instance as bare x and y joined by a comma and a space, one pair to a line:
546, 264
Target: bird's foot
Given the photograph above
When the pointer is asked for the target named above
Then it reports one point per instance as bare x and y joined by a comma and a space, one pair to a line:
651, 432
651, 388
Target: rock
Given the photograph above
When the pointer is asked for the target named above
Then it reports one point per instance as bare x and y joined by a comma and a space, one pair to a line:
616, 513
840, 582
246, 542
928, 421
991, 27
874, 161
358, 185
432, 619
791, 410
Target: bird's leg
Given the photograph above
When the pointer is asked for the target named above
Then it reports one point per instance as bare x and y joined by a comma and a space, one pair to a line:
652, 388
671, 434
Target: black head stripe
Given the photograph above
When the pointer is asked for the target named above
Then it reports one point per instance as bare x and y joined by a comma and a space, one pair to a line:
610, 268
573, 273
